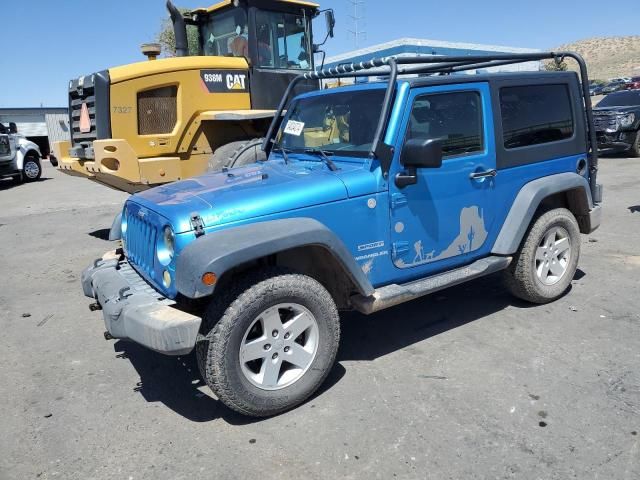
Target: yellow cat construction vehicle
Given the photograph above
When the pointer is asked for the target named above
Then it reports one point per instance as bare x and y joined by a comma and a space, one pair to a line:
157, 121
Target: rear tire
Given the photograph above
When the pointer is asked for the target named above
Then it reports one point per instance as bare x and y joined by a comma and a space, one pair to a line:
31, 168
543, 267
237, 154
255, 358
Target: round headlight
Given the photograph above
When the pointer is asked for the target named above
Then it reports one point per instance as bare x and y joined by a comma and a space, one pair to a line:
166, 246
169, 240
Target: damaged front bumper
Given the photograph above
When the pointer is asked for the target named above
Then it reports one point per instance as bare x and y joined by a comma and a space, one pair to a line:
134, 310
617, 142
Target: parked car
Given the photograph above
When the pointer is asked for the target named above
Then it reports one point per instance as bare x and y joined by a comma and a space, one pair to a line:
595, 90
19, 157
372, 195
617, 122
633, 84
612, 87
620, 80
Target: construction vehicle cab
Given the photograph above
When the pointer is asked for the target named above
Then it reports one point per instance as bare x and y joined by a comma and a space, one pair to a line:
157, 121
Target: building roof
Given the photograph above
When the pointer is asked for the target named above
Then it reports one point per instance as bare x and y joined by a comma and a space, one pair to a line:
35, 110
404, 46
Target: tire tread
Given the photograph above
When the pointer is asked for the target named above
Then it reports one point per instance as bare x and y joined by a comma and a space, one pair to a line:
213, 363
519, 276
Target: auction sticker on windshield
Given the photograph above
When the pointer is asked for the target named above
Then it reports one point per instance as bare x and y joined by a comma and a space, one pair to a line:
294, 128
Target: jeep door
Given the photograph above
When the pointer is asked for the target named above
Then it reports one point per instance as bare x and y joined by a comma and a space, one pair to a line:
444, 219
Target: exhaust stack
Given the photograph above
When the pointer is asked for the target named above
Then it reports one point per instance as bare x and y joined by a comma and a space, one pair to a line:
179, 30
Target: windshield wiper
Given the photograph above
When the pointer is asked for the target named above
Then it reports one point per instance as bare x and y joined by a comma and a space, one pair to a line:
323, 155
283, 151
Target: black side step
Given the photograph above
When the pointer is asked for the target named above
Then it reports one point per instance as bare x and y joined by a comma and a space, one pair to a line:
394, 294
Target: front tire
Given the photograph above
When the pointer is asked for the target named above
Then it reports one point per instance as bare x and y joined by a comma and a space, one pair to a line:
274, 344
546, 262
31, 168
634, 151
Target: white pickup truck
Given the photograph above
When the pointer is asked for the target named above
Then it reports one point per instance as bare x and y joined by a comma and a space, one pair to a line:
19, 157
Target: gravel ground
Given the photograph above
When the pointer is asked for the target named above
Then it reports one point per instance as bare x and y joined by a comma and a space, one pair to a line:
467, 383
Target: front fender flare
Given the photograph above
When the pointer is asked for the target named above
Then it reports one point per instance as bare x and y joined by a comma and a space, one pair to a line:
219, 252
115, 232
527, 202
21, 154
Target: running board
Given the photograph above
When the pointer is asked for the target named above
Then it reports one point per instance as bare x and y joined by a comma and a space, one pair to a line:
394, 294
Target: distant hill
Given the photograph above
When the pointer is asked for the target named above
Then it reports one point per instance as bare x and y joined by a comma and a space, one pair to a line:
608, 57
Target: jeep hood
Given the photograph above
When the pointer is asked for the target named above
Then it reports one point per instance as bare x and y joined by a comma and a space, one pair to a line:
254, 191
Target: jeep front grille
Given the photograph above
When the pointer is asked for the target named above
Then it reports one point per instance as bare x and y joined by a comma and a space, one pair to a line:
157, 110
140, 242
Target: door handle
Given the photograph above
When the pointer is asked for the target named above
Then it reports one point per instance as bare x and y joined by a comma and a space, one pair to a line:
487, 173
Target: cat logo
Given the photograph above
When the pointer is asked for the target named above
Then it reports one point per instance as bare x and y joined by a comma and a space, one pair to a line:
235, 82
224, 81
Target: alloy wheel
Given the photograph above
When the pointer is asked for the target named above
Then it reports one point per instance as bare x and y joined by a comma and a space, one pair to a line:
279, 346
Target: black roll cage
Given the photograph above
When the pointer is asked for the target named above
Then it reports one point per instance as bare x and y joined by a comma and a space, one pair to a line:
394, 66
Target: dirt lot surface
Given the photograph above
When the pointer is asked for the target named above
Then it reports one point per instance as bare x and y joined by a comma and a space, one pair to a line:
467, 383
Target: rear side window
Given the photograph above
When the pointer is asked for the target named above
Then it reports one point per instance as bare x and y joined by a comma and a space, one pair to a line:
535, 114
454, 117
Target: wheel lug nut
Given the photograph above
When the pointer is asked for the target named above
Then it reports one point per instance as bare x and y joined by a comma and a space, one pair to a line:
274, 333
286, 349
287, 335
267, 346
274, 356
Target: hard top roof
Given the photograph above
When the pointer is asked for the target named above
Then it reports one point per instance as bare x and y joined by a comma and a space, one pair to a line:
425, 81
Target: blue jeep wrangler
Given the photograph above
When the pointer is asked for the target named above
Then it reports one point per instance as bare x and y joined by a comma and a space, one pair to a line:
373, 194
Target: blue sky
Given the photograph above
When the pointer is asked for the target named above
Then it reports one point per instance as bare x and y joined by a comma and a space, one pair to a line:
47, 42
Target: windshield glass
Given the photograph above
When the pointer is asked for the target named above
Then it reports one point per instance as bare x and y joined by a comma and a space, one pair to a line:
343, 122
620, 99
282, 41
226, 34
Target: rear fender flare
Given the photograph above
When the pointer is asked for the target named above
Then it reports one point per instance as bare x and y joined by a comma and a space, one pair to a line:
527, 202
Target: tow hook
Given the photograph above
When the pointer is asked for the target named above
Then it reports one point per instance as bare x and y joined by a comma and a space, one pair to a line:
95, 306
108, 336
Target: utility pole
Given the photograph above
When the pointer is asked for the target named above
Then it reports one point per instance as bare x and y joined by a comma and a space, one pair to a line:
358, 21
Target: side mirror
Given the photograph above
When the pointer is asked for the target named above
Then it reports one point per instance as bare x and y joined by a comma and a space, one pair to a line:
422, 153
418, 153
13, 128
331, 21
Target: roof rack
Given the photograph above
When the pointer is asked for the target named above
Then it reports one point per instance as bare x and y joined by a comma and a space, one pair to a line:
394, 66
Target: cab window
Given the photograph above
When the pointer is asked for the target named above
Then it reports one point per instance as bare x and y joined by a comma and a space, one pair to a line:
282, 41
226, 34
455, 118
